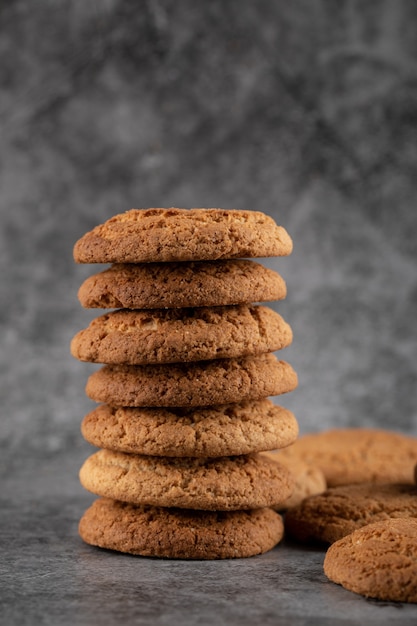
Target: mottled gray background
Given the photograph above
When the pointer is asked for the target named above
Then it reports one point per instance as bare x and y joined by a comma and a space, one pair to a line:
306, 110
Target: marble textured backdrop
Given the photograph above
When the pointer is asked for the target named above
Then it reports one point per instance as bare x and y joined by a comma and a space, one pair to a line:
306, 110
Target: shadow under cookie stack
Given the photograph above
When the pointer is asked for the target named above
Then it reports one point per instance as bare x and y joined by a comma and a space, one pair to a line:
188, 367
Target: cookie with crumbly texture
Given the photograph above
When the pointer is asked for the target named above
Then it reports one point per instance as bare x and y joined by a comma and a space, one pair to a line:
187, 284
356, 455
221, 381
377, 561
179, 335
165, 235
180, 533
212, 484
215, 431
309, 480
339, 511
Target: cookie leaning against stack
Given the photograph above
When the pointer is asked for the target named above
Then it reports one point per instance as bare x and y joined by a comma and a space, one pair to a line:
187, 371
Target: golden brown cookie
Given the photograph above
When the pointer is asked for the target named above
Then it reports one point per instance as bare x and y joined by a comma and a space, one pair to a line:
309, 480
179, 285
377, 561
180, 533
339, 511
355, 455
220, 484
225, 430
179, 335
151, 235
205, 383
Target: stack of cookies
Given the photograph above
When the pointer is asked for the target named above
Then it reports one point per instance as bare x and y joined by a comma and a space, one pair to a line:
184, 413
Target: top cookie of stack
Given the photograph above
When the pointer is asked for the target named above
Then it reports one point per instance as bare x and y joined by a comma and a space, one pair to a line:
188, 362
152, 235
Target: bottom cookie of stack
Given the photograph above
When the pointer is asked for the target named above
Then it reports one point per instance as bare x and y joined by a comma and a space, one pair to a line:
180, 533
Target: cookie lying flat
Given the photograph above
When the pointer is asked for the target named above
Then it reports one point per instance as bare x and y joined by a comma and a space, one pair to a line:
178, 335
216, 431
221, 381
341, 510
180, 533
309, 480
172, 285
151, 235
221, 484
377, 561
355, 455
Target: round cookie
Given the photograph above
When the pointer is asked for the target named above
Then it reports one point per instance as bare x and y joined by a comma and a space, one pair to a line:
356, 455
377, 561
220, 484
180, 533
179, 335
339, 511
309, 480
161, 235
225, 430
221, 381
179, 285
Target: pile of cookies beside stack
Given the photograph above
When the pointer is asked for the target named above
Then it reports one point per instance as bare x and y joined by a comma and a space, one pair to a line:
184, 412
367, 514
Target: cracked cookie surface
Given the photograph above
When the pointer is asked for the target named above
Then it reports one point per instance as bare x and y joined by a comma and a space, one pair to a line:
355, 455
339, 511
214, 484
179, 533
377, 561
187, 284
221, 381
180, 335
202, 432
157, 234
